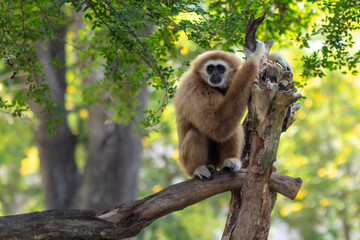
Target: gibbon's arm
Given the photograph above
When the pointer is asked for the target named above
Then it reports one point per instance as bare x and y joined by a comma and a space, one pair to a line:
220, 120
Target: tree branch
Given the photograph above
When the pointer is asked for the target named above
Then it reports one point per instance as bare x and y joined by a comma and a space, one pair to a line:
129, 219
250, 32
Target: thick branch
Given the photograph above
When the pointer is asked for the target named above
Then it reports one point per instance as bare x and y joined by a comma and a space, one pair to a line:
57, 224
129, 219
133, 217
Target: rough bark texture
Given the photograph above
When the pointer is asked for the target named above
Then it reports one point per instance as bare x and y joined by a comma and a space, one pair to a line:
58, 169
128, 220
56, 224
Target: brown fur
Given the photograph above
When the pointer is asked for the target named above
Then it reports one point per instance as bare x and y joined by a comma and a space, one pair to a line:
208, 122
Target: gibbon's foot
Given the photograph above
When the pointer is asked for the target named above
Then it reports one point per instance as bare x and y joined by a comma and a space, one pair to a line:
231, 164
204, 171
277, 57
258, 53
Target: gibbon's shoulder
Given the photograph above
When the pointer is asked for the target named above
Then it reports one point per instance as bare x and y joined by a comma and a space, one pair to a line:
188, 83
228, 57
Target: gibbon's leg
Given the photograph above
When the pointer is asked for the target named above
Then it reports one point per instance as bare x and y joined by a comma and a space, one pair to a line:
194, 154
231, 151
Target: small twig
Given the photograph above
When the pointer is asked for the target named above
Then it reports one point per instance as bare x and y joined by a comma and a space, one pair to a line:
23, 21
50, 25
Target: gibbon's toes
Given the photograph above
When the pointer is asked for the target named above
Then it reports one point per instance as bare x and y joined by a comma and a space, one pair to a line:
211, 168
203, 172
232, 164
277, 57
285, 64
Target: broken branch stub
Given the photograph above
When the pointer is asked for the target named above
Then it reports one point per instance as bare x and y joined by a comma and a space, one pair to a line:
250, 32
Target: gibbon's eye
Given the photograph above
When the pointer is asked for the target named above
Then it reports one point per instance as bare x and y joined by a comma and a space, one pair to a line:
220, 68
210, 68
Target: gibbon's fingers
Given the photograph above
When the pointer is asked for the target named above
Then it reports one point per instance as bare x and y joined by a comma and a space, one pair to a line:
247, 51
202, 172
258, 53
277, 57
233, 164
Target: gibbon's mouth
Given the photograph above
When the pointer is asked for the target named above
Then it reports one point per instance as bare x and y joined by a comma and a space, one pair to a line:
215, 80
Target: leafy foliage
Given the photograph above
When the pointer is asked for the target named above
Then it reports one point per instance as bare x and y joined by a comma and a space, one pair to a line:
134, 41
341, 18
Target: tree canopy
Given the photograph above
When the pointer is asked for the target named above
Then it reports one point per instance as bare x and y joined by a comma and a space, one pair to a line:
119, 35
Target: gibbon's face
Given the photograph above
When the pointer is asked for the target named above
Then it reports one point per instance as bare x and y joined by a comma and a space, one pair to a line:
216, 73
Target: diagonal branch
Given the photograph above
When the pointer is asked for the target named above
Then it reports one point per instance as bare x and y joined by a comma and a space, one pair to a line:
133, 217
129, 219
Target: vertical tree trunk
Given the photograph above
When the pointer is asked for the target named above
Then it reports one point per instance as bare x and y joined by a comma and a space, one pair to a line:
113, 162
58, 169
271, 110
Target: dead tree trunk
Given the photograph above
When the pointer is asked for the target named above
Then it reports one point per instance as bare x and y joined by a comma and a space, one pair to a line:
271, 108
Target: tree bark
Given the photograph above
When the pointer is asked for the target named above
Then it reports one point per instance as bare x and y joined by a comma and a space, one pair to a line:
113, 162
128, 220
57, 164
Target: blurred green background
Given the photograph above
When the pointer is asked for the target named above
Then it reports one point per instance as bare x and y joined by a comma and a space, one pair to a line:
322, 146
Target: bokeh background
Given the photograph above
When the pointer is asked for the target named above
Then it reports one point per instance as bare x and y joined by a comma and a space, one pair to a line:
322, 146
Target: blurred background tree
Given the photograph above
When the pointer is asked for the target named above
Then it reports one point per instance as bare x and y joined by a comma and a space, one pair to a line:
84, 70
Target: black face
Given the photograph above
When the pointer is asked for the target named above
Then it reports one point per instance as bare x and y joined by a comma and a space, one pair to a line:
216, 72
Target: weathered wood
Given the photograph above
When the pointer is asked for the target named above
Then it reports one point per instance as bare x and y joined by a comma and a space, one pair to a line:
129, 219
56, 224
250, 31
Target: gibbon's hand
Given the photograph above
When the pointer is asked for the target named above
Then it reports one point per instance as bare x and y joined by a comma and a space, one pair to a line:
258, 53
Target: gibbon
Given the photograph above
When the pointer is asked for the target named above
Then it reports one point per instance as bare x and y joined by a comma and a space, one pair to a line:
209, 104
